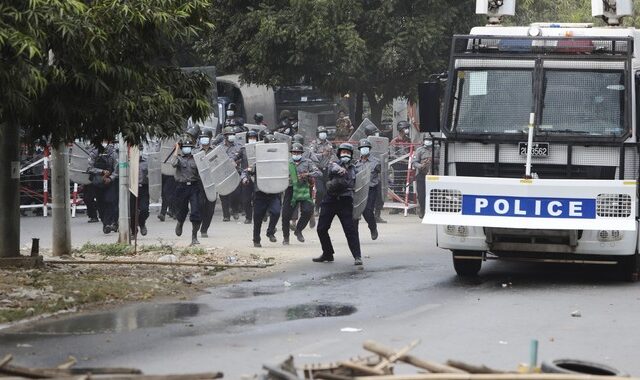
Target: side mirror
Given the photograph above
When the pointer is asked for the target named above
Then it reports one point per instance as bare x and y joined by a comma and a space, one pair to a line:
429, 103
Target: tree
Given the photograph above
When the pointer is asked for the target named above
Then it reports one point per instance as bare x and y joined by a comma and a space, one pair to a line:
91, 69
381, 48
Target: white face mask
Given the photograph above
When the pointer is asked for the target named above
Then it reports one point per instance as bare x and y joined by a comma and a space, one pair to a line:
296, 157
345, 159
406, 131
186, 150
205, 140
231, 138
364, 150
104, 144
229, 113
427, 142
252, 141
322, 135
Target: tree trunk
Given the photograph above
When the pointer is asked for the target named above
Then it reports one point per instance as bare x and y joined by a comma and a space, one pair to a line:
9, 190
61, 205
124, 237
359, 108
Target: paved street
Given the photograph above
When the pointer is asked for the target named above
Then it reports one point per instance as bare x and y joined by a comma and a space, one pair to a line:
407, 290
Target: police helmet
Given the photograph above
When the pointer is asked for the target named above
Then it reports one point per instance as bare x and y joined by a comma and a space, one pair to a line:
193, 131
231, 107
364, 143
298, 138
296, 147
321, 129
370, 130
258, 118
228, 131
285, 114
262, 134
188, 140
237, 129
207, 132
269, 138
345, 146
402, 125
252, 133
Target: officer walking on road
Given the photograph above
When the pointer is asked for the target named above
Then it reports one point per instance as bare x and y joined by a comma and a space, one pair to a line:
339, 202
103, 173
322, 148
208, 207
423, 162
263, 203
368, 162
248, 187
235, 151
301, 171
187, 188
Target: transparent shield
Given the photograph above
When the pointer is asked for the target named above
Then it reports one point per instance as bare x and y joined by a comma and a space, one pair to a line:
359, 133
166, 150
223, 171
272, 167
79, 164
307, 125
206, 175
361, 191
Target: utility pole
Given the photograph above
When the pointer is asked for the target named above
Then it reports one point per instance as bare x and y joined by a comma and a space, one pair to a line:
9, 190
61, 200
123, 194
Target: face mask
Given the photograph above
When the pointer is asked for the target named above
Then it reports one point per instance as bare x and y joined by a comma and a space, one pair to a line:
322, 135
406, 131
204, 140
345, 159
252, 141
104, 144
364, 150
427, 143
39, 150
231, 138
296, 157
186, 150
229, 113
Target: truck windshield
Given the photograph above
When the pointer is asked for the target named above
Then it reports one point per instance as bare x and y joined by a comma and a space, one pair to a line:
493, 101
574, 102
586, 102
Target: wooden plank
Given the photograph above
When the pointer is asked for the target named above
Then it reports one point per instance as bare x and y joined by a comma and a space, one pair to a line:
362, 368
6, 360
472, 368
410, 359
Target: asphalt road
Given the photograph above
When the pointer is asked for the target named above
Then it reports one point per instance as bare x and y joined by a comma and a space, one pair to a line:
406, 291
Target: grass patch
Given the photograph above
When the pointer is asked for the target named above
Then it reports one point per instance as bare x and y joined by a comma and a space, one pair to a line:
194, 251
107, 249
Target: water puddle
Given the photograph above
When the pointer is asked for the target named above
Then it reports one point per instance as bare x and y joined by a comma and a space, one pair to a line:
122, 320
292, 313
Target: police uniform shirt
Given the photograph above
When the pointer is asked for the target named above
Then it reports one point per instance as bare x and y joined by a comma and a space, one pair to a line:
305, 166
186, 169
143, 172
372, 164
107, 160
422, 159
320, 148
334, 169
235, 151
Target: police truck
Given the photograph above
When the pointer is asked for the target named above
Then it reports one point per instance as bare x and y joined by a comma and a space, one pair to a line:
539, 157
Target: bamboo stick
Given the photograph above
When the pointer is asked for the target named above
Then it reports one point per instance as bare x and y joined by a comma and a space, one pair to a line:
362, 368
6, 360
472, 368
116, 262
430, 366
491, 376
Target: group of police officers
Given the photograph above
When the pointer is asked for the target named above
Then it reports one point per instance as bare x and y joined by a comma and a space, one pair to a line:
317, 165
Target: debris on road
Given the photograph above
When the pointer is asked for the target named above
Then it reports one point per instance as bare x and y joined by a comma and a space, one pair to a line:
576, 314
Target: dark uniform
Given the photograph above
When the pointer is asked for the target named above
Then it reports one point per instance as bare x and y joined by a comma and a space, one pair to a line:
305, 171
103, 173
263, 203
423, 161
187, 194
141, 212
368, 162
339, 202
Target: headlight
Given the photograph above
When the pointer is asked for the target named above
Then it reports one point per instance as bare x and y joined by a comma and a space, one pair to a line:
457, 230
610, 235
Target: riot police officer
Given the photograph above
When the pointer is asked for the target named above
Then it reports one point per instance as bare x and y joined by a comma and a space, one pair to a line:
103, 173
423, 161
139, 206
235, 151
322, 148
263, 203
258, 118
187, 193
339, 202
208, 207
368, 162
247, 187
301, 171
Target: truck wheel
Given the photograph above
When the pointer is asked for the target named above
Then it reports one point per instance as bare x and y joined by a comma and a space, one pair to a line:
573, 366
629, 267
467, 267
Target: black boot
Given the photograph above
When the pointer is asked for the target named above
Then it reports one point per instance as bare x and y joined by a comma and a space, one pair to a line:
179, 228
194, 233
323, 259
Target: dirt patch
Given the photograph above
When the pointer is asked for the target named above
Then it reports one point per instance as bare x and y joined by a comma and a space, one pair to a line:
58, 288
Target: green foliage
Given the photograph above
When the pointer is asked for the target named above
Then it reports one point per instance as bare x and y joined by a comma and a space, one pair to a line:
91, 69
380, 48
107, 249
529, 11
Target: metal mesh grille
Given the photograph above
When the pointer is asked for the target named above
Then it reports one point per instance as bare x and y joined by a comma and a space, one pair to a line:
613, 205
445, 200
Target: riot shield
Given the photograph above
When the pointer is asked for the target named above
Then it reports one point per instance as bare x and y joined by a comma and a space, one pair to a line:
307, 125
204, 169
255, 127
361, 191
250, 150
78, 164
359, 133
241, 138
223, 171
155, 176
283, 138
272, 167
166, 150
380, 150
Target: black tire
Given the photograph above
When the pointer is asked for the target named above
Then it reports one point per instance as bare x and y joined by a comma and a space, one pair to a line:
467, 267
574, 366
628, 267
